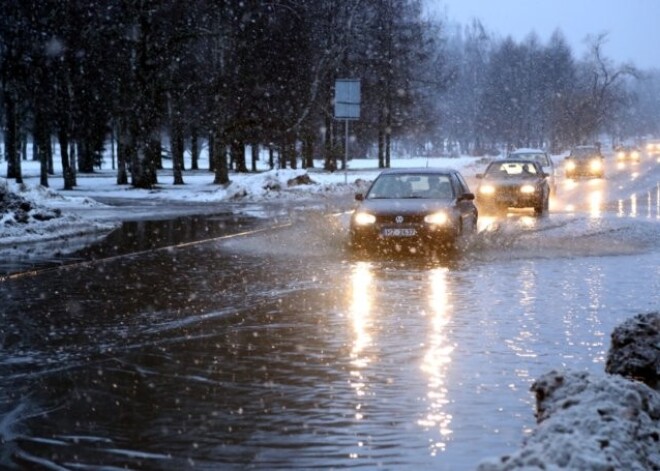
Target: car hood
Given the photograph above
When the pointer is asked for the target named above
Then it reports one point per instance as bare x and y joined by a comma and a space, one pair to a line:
583, 158
510, 181
404, 206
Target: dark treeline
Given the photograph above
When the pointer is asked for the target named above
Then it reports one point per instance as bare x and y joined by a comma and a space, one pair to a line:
261, 73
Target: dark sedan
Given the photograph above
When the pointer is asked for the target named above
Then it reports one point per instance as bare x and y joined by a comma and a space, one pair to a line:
427, 208
514, 183
584, 161
628, 154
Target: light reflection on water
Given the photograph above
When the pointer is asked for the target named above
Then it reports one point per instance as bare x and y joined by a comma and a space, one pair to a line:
437, 358
595, 203
360, 308
425, 366
645, 205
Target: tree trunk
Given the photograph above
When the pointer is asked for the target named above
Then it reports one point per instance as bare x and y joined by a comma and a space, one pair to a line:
329, 160
155, 151
73, 156
67, 174
141, 168
112, 147
255, 156
308, 152
220, 161
293, 158
176, 147
49, 154
194, 149
381, 147
284, 154
40, 135
271, 158
142, 161
156, 155
238, 155
212, 150
123, 154
388, 133
85, 156
11, 141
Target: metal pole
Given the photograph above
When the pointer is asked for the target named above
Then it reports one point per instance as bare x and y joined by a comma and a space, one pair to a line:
346, 155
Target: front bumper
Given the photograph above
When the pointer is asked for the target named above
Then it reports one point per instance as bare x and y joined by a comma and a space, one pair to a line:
511, 199
378, 236
584, 172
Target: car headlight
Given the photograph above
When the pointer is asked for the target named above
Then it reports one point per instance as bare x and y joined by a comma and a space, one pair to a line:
364, 219
596, 165
621, 155
570, 165
635, 155
440, 218
527, 189
487, 190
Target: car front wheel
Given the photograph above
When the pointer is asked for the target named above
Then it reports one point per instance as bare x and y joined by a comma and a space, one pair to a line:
541, 206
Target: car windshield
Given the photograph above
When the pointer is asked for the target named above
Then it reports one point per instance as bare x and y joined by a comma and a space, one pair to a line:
584, 152
511, 170
542, 159
412, 186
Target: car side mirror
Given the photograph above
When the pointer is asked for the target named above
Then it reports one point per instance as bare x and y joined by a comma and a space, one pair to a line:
466, 197
359, 197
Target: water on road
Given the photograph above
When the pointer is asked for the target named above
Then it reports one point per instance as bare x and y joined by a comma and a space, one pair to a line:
281, 350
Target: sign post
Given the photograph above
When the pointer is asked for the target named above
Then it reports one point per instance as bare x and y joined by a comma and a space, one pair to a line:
347, 107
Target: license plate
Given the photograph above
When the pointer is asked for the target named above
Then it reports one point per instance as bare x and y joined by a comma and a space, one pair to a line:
399, 232
502, 199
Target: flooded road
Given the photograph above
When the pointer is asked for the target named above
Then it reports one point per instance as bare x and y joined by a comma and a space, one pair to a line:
280, 350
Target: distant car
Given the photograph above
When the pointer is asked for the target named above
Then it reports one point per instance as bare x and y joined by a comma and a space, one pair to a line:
628, 154
542, 158
413, 208
653, 147
514, 183
584, 161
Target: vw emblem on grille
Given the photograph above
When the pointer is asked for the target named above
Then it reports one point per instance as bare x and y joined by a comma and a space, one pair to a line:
398, 219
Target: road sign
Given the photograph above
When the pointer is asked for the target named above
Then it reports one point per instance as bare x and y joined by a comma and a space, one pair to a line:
347, 99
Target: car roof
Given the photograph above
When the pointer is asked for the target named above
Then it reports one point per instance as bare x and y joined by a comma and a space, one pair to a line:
419, 170
513, 160
527, 150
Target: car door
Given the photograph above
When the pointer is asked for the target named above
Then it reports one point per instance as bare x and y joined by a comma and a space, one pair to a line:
466, 208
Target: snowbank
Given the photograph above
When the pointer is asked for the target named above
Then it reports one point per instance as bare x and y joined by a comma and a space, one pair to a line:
635, 350
597, 423
26, 217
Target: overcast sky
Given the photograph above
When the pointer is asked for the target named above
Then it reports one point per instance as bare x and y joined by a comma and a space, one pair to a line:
633, 25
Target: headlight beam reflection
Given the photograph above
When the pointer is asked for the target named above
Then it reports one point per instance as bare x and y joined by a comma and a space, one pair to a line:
360, 309
436, 359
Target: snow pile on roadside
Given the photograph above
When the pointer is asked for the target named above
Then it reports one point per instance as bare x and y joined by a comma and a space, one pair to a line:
25, 216
283, 184
635, 350
594, 423
32, 213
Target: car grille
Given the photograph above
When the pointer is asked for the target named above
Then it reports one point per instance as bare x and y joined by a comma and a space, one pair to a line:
407, 218
507, 191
